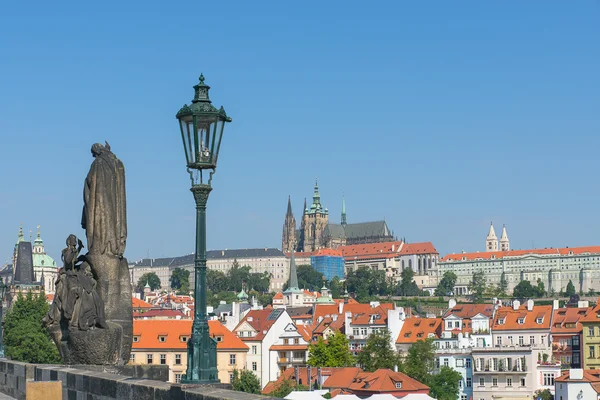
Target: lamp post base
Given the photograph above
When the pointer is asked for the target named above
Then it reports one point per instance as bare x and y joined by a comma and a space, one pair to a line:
202, 357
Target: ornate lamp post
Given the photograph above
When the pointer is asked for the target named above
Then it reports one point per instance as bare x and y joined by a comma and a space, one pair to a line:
3, 288
202, 128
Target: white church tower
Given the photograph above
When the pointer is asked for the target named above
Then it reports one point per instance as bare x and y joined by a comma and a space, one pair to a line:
491, 242
504, 241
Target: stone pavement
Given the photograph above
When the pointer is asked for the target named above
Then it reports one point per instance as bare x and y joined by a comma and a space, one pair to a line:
5, 397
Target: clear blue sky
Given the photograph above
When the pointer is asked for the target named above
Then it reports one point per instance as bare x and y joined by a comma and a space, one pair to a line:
439, 116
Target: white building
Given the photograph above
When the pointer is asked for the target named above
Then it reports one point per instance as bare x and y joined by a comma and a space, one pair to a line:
259, 330
270, 260
578, 384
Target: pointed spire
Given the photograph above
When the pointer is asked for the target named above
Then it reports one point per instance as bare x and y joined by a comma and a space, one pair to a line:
289, 208
504, 235
492, 233
293, 274
20, 238
504, 241
316, 204
344, 222
305, 208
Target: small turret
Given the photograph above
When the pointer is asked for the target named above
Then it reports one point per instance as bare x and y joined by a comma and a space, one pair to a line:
491, 242
504, 241
344, 222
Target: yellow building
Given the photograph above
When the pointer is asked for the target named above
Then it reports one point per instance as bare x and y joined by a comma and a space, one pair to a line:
164, 342
590, 356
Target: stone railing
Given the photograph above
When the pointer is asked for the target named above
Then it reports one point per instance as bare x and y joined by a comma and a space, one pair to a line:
85, 384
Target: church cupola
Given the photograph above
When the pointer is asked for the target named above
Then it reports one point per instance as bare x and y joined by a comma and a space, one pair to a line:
491, 242
316, 206
38, 243
504, 241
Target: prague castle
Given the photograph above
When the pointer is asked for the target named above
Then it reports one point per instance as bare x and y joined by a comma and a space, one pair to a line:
317, 232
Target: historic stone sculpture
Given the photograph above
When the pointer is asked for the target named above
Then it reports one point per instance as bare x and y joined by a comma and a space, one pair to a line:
91, 316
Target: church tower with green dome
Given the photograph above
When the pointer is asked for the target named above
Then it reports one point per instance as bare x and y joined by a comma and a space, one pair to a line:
45, 269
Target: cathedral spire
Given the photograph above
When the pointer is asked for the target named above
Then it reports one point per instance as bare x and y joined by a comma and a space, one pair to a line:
305, 208
316, 205
491, 242
289, 208
293, 284
344, 222
504, 241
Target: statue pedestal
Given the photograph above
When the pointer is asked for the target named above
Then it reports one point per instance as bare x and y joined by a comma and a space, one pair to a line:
95, 346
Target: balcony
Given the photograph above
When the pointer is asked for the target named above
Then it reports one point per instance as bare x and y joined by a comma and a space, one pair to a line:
282, 360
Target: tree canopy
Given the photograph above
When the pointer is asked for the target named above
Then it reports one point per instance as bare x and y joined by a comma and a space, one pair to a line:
378, 352
245, 381
478, 286
570, 289
407, 286
286, 387
334, 353
25, 337
180, 280
446, 285
151, 278
366, 283
525, 290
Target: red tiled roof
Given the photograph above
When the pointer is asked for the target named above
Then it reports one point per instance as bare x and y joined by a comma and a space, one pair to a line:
304, 331
278, 296
259, 322
160, 313
564, 316
148, 332
371, 250
511, 317
516, 253
384, 381
593, 314
418, 248
288, 374
468, 311
137, 303
589, 375
341, 378
416, 328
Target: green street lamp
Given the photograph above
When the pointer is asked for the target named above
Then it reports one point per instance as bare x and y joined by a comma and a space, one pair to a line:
202, 128
3, 288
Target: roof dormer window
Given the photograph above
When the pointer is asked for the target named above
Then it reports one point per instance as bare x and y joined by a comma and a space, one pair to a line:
539, 320
521, 321
398, 385
162, 339
136, 339
500, 321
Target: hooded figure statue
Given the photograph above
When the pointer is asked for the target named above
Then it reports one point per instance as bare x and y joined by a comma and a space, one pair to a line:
104, 212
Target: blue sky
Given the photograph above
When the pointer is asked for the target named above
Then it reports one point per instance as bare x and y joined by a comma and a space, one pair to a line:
437, 116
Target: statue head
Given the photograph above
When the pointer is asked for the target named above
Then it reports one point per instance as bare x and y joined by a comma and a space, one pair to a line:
97, 149
71, 240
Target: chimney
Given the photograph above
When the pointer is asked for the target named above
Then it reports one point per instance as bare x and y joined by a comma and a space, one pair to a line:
393, 247
340, 307
516, 305
530, 305
555, 304
451, 303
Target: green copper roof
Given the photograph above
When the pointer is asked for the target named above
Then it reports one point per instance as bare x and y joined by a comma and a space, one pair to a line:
293, 283
242, 295
325, 300
43, 260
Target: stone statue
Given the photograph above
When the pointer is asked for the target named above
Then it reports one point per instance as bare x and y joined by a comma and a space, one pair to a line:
91, 317
104, 196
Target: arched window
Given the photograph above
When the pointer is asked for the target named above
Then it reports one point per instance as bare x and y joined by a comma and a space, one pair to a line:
419, 269
410, 264
402, 264
430, 263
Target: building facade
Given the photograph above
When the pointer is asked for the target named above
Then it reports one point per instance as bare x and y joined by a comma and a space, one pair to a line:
555, 267
270, 260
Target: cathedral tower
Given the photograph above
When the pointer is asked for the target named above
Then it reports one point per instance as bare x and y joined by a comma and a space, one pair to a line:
504, 241
313, 224
288, 238
491, 242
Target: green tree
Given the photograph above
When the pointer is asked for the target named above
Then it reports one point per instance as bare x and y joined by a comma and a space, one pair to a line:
366, 283
259, 281
478, 286
151, 279
309, 278
591, 292
502, 285
524, 290
245, 381
419, 361
336, 287
570, 289
216, 281
446, 285
540, 290
444, 385
336, 353
180, 280
378, 352
236, 276
407, 285
545, 394
25, 337
265, 299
